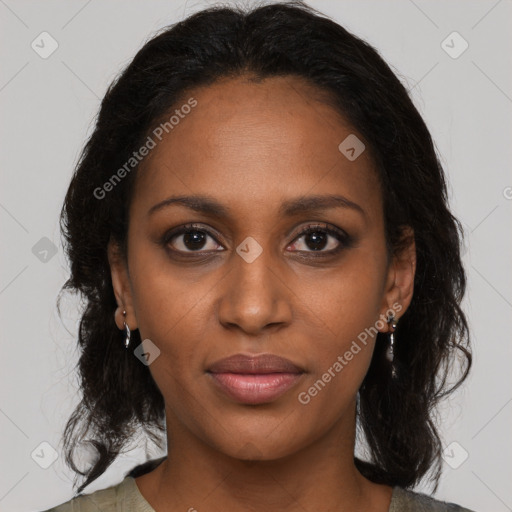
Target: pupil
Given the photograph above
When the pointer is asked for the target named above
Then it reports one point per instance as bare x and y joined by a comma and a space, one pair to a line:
318, 239
194, 238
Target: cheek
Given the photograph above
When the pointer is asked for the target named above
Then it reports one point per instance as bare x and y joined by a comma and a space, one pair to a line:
345, 307
345, 301
171, 312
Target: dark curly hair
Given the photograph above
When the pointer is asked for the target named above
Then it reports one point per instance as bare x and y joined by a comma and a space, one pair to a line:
395, 417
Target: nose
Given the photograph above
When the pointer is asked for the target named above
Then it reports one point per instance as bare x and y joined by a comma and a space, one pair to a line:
254, 295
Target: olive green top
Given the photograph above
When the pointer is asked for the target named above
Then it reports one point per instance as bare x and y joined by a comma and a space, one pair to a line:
126, 497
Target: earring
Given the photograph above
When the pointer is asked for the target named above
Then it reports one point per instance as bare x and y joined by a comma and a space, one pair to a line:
128, 332
390, 353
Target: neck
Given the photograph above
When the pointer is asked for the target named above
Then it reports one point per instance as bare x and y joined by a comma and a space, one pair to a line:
321, 475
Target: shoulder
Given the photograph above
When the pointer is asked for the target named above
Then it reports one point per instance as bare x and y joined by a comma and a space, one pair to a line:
109, 499
404, 500
105, 500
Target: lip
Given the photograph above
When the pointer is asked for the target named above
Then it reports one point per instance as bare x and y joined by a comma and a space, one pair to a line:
254, 379
248, 364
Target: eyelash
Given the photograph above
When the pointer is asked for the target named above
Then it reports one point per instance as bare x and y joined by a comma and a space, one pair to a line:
346, 241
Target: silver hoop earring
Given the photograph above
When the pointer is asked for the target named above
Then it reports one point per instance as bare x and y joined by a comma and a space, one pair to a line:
127, 331
390, 352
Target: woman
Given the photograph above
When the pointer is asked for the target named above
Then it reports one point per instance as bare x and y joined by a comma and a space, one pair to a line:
259, 228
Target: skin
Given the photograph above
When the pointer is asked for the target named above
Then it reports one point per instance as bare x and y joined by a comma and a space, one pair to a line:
251, 146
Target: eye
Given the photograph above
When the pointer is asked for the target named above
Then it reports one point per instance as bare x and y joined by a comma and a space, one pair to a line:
321, 239
318, 237
190, 238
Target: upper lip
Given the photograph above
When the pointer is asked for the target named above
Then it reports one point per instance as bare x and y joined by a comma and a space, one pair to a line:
263, 363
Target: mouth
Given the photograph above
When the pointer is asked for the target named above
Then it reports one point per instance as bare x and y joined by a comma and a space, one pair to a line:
254, 379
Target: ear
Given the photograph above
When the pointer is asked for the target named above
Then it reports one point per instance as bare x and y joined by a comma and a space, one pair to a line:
400, 279
121, 286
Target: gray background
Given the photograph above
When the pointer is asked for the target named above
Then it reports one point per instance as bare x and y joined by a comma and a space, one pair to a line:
48, 106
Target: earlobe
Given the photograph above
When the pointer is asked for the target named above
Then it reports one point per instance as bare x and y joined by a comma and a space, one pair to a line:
406, 268
121, 287
400, 282
115, 271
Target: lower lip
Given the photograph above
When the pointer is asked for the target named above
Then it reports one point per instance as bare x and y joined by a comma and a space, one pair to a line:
255, 388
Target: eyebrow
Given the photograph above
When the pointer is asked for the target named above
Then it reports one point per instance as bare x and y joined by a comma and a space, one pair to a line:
289, 208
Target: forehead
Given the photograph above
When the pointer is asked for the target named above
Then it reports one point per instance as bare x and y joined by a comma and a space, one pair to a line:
256, 140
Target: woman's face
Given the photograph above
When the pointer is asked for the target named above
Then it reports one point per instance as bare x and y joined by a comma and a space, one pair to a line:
252, 157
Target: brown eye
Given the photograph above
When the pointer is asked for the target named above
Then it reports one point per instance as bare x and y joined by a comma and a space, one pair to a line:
191, 239
321, 239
